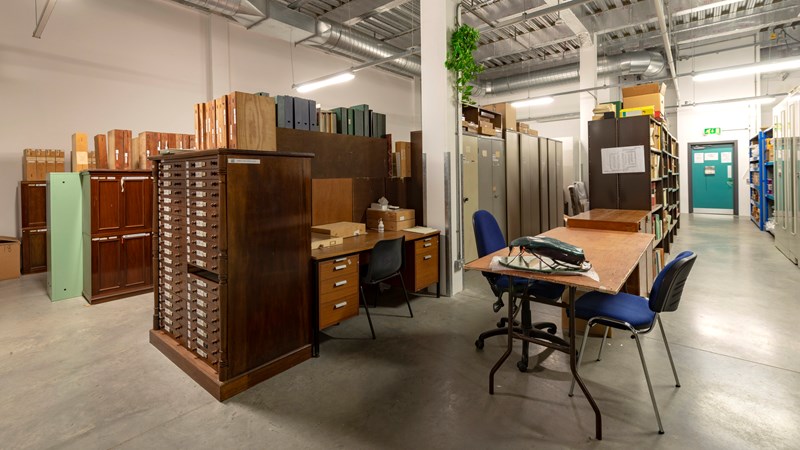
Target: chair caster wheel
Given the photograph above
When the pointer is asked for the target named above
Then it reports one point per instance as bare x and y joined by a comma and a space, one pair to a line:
660, 432
552, 330
522, 365
479, 344
501, 324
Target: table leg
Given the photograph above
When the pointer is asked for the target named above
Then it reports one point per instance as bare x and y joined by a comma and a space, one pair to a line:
507, 353
573, 366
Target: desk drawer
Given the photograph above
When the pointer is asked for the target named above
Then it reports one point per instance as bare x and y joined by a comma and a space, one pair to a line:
333, 312
333, 288
338, 267
426, 268
426, 244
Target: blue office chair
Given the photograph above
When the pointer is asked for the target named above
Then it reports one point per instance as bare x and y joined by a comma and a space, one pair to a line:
637, 314
489, 239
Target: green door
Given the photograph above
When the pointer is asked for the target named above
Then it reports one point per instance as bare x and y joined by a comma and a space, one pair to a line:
712, 179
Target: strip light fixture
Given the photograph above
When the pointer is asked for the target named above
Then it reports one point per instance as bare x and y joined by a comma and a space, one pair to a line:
759, 100
329, 80
539, 101
347, 75
776, 65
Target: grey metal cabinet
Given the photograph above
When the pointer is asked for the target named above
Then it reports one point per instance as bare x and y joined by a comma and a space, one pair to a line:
530, 201
514, 188
559, 187
499, 208
469, 167
544, 186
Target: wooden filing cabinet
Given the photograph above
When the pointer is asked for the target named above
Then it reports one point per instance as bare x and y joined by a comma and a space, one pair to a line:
117, 234
232, 302
33, 214
422, 263
337, 285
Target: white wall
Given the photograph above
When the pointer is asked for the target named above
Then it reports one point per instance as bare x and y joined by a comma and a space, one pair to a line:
141, 65
738, 123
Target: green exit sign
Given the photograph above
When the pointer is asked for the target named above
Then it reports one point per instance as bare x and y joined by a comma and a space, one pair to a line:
707, 131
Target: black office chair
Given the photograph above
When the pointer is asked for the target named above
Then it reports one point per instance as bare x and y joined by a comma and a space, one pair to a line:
489, 239
385, 262
636, 314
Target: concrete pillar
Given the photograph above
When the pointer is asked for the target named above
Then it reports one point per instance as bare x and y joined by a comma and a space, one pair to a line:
588, 79
439, 106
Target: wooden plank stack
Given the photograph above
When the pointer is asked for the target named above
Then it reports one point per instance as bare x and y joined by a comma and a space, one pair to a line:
236, 121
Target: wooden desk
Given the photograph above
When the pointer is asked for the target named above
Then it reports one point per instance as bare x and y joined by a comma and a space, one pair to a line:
336, 272
631, 220
614, 256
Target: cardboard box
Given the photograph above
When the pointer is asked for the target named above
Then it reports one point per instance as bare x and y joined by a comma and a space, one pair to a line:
251, 122
60, 161
9, 258
28, 165
644, 95
322, 241
532, 132
41, 165
507, 112
486, 130
340, 229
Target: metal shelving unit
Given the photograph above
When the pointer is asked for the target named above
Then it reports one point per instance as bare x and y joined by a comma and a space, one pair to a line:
762, 201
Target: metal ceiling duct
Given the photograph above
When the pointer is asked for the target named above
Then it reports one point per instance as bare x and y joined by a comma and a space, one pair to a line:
647, 64
348, 42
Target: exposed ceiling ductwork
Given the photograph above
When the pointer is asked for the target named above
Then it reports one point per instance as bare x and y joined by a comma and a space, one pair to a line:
647, 64
267, 16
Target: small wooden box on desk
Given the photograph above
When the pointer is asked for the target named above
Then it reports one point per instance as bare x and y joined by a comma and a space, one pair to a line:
232, 302
634, 221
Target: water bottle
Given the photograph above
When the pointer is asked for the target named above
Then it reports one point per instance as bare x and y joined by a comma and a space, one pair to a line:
380, 226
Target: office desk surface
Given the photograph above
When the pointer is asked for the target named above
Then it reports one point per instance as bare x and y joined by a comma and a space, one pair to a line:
613, 254
358, 244
609, 219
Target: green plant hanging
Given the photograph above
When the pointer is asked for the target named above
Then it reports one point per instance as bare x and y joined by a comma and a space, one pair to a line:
463, 42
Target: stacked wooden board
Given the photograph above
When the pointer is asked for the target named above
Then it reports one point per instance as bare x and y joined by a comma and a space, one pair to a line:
236, 121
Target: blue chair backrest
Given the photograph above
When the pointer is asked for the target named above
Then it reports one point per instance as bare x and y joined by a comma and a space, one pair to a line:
668, 286
488, 236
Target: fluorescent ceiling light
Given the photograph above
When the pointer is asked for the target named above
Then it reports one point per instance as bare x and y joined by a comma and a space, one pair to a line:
533, 102
749, 69
322, 82
766, 100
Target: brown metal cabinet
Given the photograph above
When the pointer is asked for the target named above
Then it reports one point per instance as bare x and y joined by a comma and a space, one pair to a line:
33, 215
231, 262
117, 234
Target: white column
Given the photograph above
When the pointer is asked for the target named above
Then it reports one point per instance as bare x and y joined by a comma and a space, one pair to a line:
218, 57
438, 105
588, 79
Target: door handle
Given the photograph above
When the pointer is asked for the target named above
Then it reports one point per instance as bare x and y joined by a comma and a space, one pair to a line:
466, 199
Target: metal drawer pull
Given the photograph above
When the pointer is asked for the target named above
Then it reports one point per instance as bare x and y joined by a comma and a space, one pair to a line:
342, 267
427, 245
340, 259
340, 305
427, 239
340, 283
427, 257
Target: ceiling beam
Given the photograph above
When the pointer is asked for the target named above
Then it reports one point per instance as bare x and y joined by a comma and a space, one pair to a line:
355, 11
524, 42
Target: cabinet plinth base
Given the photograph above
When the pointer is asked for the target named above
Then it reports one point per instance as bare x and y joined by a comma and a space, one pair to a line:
208, 379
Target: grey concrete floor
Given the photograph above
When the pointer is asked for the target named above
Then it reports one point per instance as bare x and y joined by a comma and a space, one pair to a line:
79, 376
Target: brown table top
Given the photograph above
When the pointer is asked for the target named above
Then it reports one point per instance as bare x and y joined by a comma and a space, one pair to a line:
612, 215
613, 254
364, 242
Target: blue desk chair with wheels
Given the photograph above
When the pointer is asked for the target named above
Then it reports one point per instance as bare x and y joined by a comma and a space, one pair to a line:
489, 239
637, 314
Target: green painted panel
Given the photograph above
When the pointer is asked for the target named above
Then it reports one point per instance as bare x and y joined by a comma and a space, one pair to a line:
64, 254
712, 177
